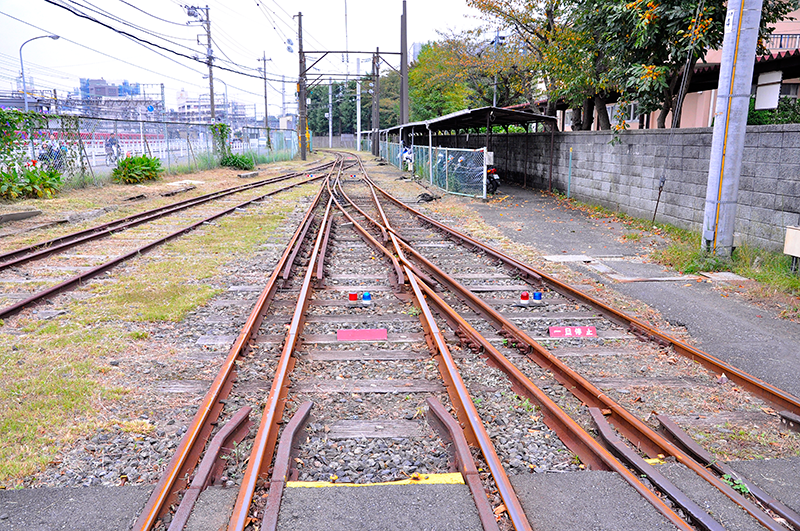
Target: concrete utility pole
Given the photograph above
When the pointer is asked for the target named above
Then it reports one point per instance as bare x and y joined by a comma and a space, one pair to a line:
496, 39
283, 95
404, 66
330, 112
376, 108
266, 102
733, 98
301, 90
210, 61
358, 114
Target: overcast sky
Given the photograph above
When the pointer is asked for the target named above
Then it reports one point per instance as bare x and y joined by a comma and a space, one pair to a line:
241, 29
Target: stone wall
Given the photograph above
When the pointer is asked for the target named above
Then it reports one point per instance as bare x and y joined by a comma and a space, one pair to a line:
625, 176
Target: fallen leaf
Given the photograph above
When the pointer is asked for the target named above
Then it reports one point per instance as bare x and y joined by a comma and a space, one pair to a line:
500, 509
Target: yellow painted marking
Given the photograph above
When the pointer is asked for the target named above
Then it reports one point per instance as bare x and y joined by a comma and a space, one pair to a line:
453, 478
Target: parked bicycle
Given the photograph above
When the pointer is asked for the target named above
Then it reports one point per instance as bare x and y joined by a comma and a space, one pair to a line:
112, 150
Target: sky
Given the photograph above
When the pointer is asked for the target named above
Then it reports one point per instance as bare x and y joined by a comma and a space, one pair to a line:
243, 30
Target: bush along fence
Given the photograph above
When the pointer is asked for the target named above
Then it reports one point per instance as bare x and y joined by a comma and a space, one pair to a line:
78, 150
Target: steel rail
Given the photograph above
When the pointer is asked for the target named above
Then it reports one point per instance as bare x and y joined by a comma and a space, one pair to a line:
443, 422
93, 272
642, 436
33, 252
398, 270
187, 454
575, 437
264, 442
766, 391
466, 409
631, 426
696, 514
703, 456
460, 398
280, 472
212, 464
570, 432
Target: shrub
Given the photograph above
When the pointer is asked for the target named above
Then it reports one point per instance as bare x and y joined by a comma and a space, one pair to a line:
240, 162
33, 181
133, 170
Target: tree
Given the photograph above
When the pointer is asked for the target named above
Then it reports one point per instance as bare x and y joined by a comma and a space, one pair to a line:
656, 43
433, 91
533, 23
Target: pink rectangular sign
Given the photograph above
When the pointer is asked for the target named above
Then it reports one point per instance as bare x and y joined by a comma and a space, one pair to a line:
573, 331
362, 334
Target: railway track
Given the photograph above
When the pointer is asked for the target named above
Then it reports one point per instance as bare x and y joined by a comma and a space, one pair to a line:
379, 326
40, 271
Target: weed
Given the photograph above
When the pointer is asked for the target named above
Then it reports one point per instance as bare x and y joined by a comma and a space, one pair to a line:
237, 161
736, 484
134, 170
137, 426
139, 334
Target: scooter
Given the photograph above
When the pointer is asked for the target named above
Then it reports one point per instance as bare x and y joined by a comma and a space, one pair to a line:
492, 180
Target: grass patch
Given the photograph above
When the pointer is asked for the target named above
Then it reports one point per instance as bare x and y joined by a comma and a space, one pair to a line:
52, 379
48, 381
685, 254
168, 288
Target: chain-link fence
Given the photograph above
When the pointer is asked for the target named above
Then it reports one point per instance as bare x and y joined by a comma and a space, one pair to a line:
87, 149
456, 171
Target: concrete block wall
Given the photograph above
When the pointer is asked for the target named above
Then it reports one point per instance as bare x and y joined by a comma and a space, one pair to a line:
624, 176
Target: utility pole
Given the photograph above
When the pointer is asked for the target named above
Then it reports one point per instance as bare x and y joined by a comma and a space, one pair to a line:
301, 89
283, 95
376, 109
404, 66
266, 102
496, 39
358, 114
733, 99
330, 113
210, 61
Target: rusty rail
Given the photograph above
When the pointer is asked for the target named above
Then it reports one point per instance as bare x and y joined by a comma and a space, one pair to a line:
187, 453
93, 272
632, 427
212, 464
280, 473
264, 442
779, 398
33, 252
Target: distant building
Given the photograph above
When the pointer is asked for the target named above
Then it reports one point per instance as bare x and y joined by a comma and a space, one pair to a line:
101, 88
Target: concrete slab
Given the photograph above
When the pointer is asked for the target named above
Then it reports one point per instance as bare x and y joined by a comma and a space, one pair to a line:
722, 509
779, 477
71, 508
588, 500
724, 276
568, 258
213, 509
379, 508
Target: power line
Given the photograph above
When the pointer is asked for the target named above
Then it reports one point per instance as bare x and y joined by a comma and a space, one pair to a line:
108, 55
145, 41
115, 18
152, 15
